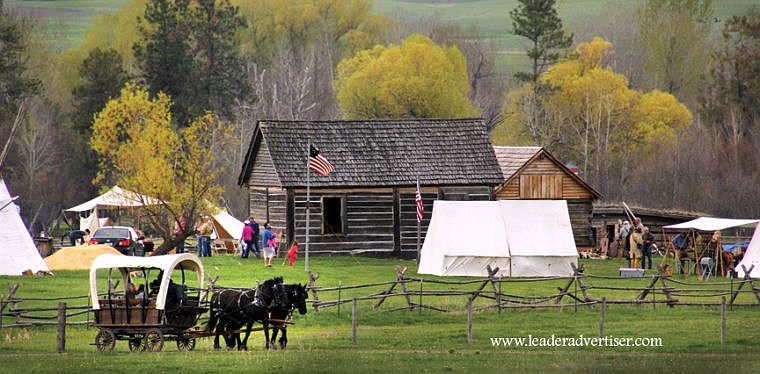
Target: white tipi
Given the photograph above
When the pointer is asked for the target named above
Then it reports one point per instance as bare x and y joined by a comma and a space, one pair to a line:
18, 252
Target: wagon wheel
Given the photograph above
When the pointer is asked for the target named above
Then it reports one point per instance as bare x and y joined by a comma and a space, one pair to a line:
105, 340
136, 343
185, 344
154, 340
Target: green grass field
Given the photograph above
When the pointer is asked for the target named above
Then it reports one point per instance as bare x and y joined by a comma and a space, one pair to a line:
392, 341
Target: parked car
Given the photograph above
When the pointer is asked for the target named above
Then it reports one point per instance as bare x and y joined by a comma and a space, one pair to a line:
125, 239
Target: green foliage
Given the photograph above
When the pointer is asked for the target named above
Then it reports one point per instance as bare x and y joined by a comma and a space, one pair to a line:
102, 77
672, 39
731, 101
219, 78
189, 51
417, 79
163, 53
14, 78
539, 21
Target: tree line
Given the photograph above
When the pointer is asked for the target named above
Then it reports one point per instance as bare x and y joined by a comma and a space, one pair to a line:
658, 109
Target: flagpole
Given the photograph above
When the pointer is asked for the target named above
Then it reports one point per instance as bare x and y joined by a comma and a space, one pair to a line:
308, 200
418, 221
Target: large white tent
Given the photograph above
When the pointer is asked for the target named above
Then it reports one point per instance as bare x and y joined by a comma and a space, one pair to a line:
115, 197
524, 238
18, 253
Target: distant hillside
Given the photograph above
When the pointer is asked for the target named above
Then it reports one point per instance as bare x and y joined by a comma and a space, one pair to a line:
491, 16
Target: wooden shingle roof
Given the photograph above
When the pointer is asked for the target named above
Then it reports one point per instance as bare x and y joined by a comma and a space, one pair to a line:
379, 152
512, 159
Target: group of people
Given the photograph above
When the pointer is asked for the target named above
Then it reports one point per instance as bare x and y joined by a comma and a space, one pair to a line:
637, 244
254, 240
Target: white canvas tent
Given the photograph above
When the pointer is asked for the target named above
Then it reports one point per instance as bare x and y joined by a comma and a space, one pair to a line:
524, 238
227, 229
18, 253
115, 197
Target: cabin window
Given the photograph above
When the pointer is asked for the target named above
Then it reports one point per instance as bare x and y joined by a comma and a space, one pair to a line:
332, 215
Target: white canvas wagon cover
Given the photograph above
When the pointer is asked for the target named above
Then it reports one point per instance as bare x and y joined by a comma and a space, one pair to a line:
524, 238
125, 264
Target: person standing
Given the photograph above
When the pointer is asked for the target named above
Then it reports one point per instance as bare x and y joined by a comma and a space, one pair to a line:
636, 243
205, 230
256, 237
293, 253
646, 249
247, 237
624, 247
179, 228
269, 245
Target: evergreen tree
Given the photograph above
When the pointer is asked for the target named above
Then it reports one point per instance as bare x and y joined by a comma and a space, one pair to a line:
219, 74
164, 55
103, 77
538, 21
15, 84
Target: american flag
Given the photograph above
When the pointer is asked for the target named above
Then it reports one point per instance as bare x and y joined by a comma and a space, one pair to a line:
318, 163
418, 202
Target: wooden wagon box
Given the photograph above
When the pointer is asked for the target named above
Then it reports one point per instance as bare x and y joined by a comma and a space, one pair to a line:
117, 312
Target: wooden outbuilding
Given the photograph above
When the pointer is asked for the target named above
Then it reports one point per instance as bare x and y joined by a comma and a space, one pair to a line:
533, 173
368, 203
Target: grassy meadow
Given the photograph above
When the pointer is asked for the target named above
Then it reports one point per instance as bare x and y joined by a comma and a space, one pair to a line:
392, 341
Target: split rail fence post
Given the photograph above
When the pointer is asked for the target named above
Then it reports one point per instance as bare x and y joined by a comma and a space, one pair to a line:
723, 320
312, 280
353, 321
601, 317
61, 341
469, 321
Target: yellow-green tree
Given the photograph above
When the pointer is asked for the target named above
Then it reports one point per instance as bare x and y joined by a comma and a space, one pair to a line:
592, 116
141, 151
417, 79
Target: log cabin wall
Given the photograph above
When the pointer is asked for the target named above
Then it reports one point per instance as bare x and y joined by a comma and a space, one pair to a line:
369, 220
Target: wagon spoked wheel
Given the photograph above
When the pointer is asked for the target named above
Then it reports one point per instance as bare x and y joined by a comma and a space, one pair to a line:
154, 340
105, 340
185, 344
136, 343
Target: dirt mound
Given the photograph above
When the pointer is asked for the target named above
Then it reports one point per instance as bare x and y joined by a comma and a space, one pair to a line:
77, 258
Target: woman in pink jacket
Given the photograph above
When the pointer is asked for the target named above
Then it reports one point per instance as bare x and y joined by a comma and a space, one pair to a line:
247, 237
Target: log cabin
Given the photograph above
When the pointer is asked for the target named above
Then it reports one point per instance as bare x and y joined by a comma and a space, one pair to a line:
367, 205
533, 173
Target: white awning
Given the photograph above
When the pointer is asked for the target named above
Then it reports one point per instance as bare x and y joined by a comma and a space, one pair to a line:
713, 224
116, 196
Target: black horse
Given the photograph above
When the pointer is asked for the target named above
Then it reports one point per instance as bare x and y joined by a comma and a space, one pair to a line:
297, 294
232, 309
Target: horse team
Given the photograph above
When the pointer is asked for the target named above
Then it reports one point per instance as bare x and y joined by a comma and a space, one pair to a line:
271, 304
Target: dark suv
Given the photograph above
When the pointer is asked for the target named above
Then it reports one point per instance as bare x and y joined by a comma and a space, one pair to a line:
124, 239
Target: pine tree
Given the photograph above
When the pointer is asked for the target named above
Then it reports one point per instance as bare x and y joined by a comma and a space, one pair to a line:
538, 21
